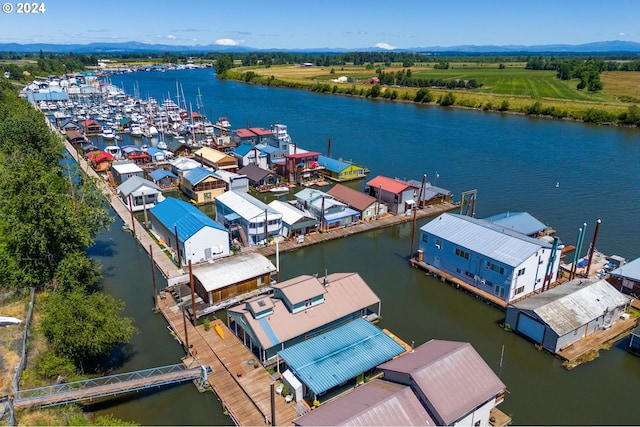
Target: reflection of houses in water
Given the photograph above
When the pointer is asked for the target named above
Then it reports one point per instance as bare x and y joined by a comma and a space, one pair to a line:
300, 308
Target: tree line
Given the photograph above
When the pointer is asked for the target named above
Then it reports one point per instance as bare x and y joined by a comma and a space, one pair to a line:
50, 213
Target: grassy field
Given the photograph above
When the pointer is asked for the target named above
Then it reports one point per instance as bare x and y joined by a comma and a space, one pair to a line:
523, 91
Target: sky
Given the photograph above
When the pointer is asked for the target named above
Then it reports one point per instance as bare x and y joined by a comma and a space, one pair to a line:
304, 24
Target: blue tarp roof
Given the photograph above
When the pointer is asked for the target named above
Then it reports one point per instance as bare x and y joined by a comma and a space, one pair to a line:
334, 357
187, 218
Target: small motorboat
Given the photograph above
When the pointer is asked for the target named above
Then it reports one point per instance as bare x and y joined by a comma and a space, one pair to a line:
280, 189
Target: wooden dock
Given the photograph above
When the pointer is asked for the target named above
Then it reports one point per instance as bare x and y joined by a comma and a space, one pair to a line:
445, 277
242, 385
361, 227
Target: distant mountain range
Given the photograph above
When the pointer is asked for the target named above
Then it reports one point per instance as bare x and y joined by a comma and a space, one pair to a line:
137, 47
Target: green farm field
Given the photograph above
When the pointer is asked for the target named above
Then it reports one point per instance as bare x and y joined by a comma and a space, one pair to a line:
510, 88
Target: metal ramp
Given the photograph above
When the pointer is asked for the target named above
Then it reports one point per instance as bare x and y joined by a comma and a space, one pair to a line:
112, 385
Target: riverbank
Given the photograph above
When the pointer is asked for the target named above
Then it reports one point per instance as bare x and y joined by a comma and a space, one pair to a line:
596, 111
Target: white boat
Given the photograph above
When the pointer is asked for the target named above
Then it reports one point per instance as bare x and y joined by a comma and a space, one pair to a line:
136, 131
280, 189
8, 321
114, 150
108, 133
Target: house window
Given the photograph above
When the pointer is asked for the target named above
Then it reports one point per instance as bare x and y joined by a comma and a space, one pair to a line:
519, 290
521, 272
425, 237
491, 266
477, 424
462, 253
207, 196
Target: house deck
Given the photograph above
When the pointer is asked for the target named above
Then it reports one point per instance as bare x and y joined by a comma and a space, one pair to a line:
486, 296
597, 340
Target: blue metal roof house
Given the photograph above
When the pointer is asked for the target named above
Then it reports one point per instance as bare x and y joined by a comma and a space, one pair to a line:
522, 222
330, 212
188, 231
494, 259
338, 357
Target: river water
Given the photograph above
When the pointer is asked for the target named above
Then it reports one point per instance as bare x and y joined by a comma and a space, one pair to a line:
513, 161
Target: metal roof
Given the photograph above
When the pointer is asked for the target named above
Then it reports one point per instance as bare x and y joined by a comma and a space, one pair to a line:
188, 219
290, 214
376, 403
334, 165
158, 174
388, 184
630, 270
247, 206
137, 185
501, 244
197, 175
126, 167
351, 197
334, 357
522, 222
347, 293
231, 270
452, 376
573, 304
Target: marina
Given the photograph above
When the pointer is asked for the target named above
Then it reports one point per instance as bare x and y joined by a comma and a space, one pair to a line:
319, 247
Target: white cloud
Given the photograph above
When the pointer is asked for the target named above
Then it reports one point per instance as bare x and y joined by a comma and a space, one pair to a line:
386, 46
171, 36
227, 42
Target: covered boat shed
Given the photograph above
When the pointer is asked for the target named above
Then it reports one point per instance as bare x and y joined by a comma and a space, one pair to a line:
339, 356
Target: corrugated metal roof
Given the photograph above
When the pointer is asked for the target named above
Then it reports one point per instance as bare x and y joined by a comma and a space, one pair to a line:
630, 270
198, 174
158, 174
388, 184
137, 184
347, 293
334, 357
351, 197
212, 154
247, 206
126, 167
376, 403
522, 222
333, 165
573, 304
482, 237
452, 376
188, 219
290, 214
232, 270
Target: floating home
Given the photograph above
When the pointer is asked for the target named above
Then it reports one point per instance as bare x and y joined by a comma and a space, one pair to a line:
626, 277
567, 313
496, 260
439, 383
300, 308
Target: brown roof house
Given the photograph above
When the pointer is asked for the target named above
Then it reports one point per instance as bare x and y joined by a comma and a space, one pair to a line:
300, 308
367, 205
439, 383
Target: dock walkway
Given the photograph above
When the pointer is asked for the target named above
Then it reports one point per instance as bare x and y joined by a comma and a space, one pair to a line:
242, 384
361, 227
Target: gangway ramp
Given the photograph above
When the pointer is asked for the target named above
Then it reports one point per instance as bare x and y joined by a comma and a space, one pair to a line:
112, 385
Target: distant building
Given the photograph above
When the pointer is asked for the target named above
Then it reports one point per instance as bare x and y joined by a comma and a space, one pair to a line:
201, 185
258, 177
216, 159
522, 222
330, 212
566, 313
295, 221
497, 260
